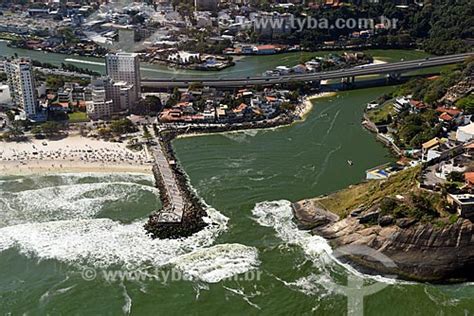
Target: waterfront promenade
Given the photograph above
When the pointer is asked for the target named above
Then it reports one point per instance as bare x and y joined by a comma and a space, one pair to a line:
172, 198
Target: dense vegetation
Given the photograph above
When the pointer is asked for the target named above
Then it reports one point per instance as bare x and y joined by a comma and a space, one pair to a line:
415, 129
371, 192
439, 27
398, 197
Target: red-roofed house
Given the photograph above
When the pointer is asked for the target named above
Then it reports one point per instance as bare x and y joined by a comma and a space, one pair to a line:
270, 99
186, 107
417, 106
451, 111
240, 110
469, 178
171, 115
445, 117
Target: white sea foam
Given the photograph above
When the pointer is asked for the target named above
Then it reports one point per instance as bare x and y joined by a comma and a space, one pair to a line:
42, 180
127, 306
103, 242
317, 285
218, 262
278, 215
245, 297
241, 136
76, 201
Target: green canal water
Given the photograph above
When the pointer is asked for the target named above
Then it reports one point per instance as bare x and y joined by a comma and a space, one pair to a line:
55, 227
245, 66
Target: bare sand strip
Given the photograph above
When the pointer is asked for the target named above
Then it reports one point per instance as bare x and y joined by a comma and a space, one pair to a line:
35, 167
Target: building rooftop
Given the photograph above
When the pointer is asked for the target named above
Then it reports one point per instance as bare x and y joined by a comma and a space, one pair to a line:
450, 111
468, 129
431, 143
463, 198
469, 177
446, 117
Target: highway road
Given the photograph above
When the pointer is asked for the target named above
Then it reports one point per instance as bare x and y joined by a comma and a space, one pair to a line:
389, 68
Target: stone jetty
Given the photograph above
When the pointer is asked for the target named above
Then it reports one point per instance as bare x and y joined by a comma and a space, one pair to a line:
182, 211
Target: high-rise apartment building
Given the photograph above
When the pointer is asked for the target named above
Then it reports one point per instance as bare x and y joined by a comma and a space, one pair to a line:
22, 85
125, 67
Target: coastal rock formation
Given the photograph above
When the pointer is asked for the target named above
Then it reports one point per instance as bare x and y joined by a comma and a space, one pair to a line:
421, 252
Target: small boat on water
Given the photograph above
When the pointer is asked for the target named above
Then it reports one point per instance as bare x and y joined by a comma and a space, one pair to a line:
350, 162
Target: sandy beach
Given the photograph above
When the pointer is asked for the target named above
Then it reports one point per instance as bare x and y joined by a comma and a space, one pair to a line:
308, 103
71, 154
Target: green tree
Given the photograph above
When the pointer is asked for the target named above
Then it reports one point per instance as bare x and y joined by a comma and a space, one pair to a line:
51, 128
122, 126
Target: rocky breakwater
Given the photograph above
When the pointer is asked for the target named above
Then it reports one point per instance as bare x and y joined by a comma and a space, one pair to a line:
420, 251
182, 213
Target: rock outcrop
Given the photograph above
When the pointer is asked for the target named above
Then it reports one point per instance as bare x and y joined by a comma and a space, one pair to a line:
420, 251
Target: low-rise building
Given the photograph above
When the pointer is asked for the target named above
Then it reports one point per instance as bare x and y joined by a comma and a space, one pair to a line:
465, 133
463, 203
401, 104
209, 114
382, 172
221, 112
417, 106
64, 96
440, 149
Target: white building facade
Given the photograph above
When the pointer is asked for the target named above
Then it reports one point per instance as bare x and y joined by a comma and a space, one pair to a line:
465, 133
22, 86
99, 107
125, 67
122, 95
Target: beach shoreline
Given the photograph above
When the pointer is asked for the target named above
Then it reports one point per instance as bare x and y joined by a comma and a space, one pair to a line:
30, 167
73, 154
308, 103
77, 154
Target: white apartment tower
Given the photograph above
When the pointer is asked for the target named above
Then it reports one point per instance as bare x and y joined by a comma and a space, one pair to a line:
125, 67
22, 85
99, 107
122, 94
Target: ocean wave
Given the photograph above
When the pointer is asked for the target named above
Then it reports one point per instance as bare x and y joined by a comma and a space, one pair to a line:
38, 181
104, 242
218, 262
76, 201
56, 223
241, 136
279, 216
